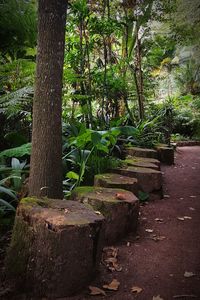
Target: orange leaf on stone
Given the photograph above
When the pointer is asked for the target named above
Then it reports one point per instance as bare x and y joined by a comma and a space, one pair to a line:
94, 291
113, 286
121, 196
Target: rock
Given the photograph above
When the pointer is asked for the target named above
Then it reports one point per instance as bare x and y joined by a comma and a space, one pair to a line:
141, 152
166, 155
114, 180
149, 180
142, 162
55, 248
119, 207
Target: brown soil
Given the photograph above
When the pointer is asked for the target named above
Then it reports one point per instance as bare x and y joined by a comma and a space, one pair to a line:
157, 261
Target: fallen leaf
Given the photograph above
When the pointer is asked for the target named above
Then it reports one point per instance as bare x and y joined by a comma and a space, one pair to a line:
120, 196
136, 289
159, 220
189, 274
125, 197
109, 259
184, 218
66, 210
97, 212
180, 218
191, 208
157, 298
149, 230
158, 238
96, 291
113, 286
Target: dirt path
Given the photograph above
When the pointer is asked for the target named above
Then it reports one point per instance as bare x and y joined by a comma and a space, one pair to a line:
158, 267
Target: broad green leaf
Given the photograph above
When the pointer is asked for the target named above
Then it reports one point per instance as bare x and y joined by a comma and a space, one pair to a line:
72, 175
15, 163
95, 137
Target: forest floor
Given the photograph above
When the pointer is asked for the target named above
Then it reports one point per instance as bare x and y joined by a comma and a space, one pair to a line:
163, 260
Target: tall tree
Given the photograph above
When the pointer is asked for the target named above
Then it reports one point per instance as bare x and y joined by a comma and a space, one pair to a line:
46, 158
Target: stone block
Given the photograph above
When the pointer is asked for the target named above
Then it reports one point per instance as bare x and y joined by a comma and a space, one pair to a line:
113, 180
119, 207
141, 152
55, 248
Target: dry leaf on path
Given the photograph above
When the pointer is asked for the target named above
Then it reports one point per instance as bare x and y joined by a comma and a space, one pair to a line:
113, 286
159, 220
96, 291
149, 230
157, 298
180, 218
191, 208
109, 259
136, 289
189, 274
157, 238
184, 218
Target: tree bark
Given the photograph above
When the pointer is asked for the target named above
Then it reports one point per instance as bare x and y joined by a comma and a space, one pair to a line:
46, 158
139, 77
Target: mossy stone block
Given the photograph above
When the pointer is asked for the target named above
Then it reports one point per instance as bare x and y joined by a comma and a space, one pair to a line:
113, 180
55, 248
166, 155
119, 207
141, 152
142, 163
149, 180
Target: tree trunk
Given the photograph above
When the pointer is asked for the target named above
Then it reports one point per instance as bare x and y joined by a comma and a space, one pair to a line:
139, 77
46, 158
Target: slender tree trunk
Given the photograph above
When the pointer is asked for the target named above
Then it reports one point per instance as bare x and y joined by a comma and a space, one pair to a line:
139, 77
46, 158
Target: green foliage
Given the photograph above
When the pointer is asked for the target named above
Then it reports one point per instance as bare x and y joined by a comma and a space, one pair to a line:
17, 27
12, 176
17, 151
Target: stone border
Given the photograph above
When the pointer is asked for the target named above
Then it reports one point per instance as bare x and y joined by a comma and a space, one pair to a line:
187, 143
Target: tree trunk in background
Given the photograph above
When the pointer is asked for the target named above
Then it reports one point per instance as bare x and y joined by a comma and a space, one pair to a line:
139, 77
46, 158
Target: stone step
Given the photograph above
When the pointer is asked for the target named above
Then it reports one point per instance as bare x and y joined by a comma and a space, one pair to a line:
58, 245
113, 180
140, 152
119, 207
166, 155
131, 159
141, 163
149, 180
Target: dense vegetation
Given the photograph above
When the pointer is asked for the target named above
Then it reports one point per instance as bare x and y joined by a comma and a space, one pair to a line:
131, 75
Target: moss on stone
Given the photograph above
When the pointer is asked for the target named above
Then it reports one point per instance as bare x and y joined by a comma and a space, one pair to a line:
82, 190
43, 202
